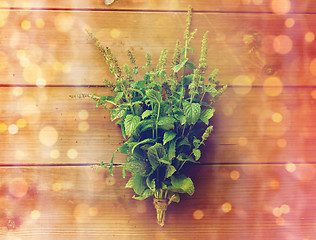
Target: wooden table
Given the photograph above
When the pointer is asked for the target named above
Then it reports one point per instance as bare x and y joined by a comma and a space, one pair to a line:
256, 180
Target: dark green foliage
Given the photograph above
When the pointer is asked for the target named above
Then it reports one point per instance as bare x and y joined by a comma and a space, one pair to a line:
164, 116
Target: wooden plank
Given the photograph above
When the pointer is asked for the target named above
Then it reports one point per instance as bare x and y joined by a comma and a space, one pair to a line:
253, 127
82, 203
294, 6
51, 47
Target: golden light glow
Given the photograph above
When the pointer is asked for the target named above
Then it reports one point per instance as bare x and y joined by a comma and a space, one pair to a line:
64, 22
226, 207
13, 129
274, 184
110, 180
257, 2
40, 82
18, 187
48, 136
277, 117
29, 110
83, 115
280, 221
3, 127
72, 153
26, 25
81, 213
313, 94
83, 126
3, 61
305, 173
242, 84
309, 37
289, 22
280, 6
40, 23
282, 44
93, 211
17, 91
242, 141
272, 86
35, 214
54, 154
285, 209
234, 175
21, 123
281, 142
4, 13
31, 73
115, 33
312, 67
277, 212
56, 187
290, 167
198, 214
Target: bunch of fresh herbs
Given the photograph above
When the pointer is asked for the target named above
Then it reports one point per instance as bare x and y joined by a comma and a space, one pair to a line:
164, 115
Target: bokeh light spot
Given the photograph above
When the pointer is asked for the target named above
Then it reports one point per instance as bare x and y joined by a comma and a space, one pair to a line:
54, 154
234, 175
19, 155
26, 25
17, 91
305, 173
83, 115
313, 94
48, 136
31, 73
226, 207
56, 187
281, 142
277, 212
3, 127
83, 126
13, 129
64, 22
40, 23
110, 181
289, 22
274, 184
282, 44
309, 37
40, 82
18, 187
3, 61
93, 211
290, 167
81, 213
35, 214
72, 153
242, 84
285, 209
198, 214
277, 117
280, 6
21, 123
312, 67
272, 86
4, 13
29, 109
242, 141
115, 33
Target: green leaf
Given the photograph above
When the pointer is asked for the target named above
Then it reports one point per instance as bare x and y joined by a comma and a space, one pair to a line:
146, 113
124, 148
151, 183
137, 166
185, 158
192, 112
174, 196
154, 95
154, 153
190, 65
117, 113
168, 136
138, 109
196, 142
212, 91
129, 183
166, 122
147, 140
130, 123
197, 153
180, 65
139, 184
172, 149
164, 160
170, 171
118, 97
140, 84
146, 194
206, 115
182, 182
184, 142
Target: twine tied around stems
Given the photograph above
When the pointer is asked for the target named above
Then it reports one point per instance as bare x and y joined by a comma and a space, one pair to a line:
160, 204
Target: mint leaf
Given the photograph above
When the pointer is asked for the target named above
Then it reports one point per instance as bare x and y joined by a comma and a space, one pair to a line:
197, 153
146, 194
177, 67
206, 115
146, 113
130, 123
172, 149
154, 153
139, 184
168, 136
166, 122
154, 95
137, 166
190, 65
170, 170
183, 183
192, 112
164, 160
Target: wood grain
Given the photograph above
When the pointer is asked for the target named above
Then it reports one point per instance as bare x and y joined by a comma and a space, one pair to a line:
294, 6
82, 203
253, 127
53, 48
